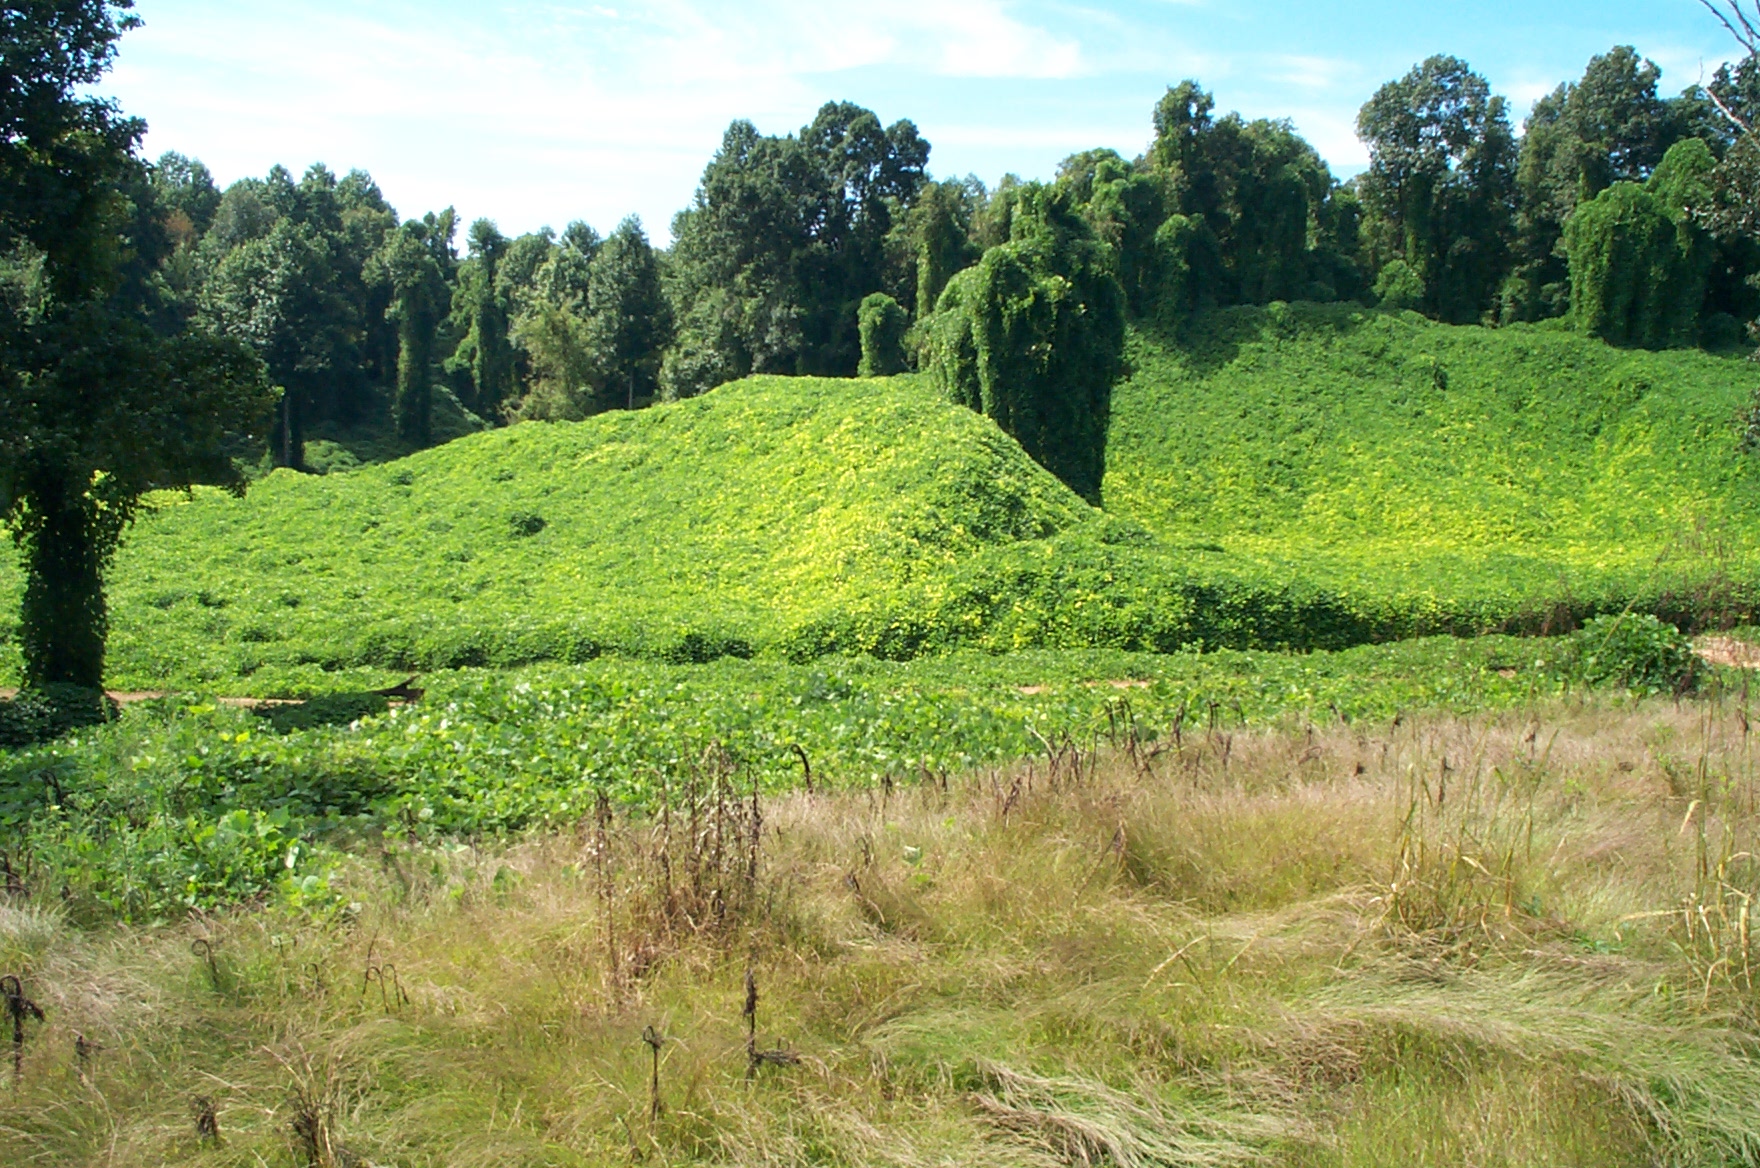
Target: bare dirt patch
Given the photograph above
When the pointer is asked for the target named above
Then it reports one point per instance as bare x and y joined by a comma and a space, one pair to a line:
1729, 651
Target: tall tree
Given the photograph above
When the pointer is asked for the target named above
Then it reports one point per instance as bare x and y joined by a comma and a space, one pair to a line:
96, 406
1440, 189
629, 318
485, 356
1609, 127
1033, 338
785, 237
281, 294
413, 266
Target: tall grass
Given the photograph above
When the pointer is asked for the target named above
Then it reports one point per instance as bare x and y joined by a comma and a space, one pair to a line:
1510, 939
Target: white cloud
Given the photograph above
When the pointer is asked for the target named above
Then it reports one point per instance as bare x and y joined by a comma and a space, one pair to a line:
535, 112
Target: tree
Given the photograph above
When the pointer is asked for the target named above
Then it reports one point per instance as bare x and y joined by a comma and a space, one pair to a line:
282, 296
785, 237
1611, 126
939, 228
1638, 260
882, 323
1734, 211
1033, 338
184, 187
1440, 189
1220, 211
482, 305
413, 266
96, 406
629, 318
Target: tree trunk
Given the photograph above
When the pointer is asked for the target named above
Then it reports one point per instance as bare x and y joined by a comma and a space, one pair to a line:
415, 379
65, 615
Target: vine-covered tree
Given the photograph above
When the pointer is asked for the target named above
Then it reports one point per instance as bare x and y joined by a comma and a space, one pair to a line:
882, 322
1440, 189
1638, 258
484, 359
97, 405
413, 267
1033, 338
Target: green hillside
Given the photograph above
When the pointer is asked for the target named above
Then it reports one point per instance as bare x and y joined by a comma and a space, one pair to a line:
1316, 476
774, 515
1453, 478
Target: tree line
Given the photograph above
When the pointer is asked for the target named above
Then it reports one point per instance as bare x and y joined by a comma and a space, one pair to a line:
157, 331
826, 251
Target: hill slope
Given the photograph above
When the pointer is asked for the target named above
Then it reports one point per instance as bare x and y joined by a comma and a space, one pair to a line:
1453, 478
1309, 477
784, 515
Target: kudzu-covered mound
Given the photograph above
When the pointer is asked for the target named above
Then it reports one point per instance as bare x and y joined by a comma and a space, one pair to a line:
775, 516
1292, 477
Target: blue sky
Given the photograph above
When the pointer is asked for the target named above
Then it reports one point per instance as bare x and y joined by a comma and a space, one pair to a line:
535, 112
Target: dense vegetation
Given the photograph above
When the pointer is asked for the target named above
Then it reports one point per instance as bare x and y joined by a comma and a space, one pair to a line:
1305, 476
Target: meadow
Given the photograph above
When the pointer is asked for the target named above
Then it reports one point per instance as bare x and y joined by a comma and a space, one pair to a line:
1514, 938
1164, 834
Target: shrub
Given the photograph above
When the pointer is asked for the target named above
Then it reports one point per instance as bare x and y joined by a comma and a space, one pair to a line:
1636, 651
883, 324
1399, 286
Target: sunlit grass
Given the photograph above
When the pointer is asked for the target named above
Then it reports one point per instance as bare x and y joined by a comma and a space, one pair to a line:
1441, 941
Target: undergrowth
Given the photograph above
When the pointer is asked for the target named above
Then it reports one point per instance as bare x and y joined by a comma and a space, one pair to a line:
1511, 939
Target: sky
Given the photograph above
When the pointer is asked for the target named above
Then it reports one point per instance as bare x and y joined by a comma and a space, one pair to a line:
539, 112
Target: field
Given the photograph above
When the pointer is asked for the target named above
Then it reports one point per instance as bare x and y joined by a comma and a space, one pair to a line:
1516, 938
1309, 477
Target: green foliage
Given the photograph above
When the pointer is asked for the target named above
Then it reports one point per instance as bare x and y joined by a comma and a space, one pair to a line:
1637, 652
630, 324
142, 818
1608, 127
1264, 219
1464, 478
940, 226
883, 324
785, 237
412, 267
1638, 260
1440, 189
104, 393
1398, 287
1042, 339
41, 715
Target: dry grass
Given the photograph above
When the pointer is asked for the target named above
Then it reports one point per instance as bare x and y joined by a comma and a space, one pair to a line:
1522, 939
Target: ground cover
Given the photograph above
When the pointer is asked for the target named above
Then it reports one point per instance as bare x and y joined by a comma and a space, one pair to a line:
1459, 478
190, 804
1315, 477
1510, 939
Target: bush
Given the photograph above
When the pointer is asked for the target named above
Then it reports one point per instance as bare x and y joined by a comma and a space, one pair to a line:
1638, 652
1399, 286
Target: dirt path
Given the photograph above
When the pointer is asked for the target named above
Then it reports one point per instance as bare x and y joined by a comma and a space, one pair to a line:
1121, 683
124, 698
1729, 651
